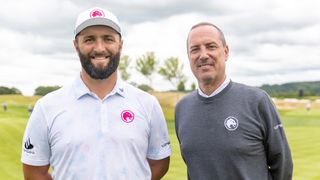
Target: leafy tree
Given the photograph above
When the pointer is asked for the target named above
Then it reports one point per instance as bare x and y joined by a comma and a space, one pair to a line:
172, 71
193, 86
6, 90
43, 90
123, 67
301, 93
181, 86
146, 65
145, 87
134, 84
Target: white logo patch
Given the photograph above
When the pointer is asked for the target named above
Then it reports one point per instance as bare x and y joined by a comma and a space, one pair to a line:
231, 123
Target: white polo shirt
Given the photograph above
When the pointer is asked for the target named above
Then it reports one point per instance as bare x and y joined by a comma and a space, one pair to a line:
83, 137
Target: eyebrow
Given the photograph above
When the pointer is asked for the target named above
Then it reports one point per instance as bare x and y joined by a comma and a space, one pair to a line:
209, 43
103, 36
88, 36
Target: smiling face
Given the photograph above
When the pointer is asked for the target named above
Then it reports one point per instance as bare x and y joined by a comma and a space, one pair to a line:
99, 49
207, 55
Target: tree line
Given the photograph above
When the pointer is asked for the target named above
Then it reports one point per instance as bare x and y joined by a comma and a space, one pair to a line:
171, 70
39, 91
147, 65
7, 90
293, 89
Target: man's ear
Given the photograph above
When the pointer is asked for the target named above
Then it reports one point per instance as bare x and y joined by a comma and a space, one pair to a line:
121, 44
75, 44
226, 51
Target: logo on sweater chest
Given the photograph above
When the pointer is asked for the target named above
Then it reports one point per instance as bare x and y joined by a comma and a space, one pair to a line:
231, 123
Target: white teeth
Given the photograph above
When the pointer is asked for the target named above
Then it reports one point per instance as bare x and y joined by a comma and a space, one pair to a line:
99, 58
200, 65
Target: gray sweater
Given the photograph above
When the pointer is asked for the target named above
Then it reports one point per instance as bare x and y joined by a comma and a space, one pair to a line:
235, 135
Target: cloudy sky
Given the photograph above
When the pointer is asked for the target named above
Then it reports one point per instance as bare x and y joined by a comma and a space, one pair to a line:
271, 41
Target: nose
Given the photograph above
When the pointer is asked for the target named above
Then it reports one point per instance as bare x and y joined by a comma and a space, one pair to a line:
203, 54
99, 46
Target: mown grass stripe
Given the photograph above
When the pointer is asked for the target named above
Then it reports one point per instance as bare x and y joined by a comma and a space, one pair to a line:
302, 129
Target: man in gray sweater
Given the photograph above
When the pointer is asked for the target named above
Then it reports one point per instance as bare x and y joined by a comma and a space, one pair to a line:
227, 130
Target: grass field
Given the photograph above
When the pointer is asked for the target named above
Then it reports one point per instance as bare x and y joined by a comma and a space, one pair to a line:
12, 125
302, 129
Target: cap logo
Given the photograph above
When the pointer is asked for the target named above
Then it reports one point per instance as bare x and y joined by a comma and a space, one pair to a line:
96, 13
127, 116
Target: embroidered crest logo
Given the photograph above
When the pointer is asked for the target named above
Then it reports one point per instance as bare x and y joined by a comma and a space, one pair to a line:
231, 123
127, 116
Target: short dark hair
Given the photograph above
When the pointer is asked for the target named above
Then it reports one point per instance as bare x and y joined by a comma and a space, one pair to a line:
222, 38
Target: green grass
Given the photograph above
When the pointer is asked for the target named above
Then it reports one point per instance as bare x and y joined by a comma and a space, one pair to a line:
302, 129
305, 146
303, 132
177, 170
301, 117
12, 125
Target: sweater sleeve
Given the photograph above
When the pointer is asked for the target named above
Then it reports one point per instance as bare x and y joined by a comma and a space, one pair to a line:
276, 145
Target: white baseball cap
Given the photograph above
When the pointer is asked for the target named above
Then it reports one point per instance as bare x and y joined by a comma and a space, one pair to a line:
96, 16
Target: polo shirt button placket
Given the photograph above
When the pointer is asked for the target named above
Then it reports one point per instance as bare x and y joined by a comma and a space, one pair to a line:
104, 117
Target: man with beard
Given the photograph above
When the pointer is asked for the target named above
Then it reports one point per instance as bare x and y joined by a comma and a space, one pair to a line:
227, 130
99, 127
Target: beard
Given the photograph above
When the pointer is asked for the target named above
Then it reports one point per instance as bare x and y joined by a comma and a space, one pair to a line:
96, 72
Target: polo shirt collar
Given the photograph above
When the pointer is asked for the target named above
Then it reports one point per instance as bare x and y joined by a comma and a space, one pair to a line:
218, 90
80, 89
118, 88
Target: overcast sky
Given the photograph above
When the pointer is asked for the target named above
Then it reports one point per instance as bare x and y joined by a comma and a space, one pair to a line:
270, 41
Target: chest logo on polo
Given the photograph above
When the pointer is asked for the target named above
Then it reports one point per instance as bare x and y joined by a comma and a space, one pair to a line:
127, 116
231, 123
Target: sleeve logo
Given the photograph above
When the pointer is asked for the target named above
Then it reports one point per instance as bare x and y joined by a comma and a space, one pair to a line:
28, 145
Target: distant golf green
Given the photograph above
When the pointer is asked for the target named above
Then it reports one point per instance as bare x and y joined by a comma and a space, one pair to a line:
302, 129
